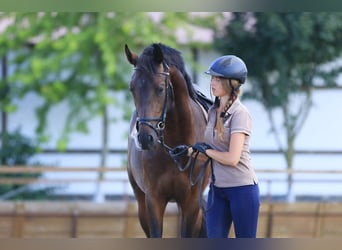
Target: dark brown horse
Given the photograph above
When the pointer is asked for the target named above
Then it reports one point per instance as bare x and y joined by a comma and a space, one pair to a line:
167, 114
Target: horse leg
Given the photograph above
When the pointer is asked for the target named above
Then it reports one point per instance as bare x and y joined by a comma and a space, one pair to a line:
203, 229
140, 196
192, 220
155, 213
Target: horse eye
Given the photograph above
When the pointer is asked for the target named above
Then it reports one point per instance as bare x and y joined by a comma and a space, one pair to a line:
130, 88
160, 91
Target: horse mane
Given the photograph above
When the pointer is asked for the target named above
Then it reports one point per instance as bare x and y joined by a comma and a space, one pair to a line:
172, 57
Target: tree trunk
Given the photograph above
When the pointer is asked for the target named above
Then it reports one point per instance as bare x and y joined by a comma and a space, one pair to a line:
289, 160
289, 152
99, 195
195, 58
3, 113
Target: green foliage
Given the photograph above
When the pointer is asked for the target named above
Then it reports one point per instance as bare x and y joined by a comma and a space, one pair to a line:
18, 150
77, 58
284, 51
285, 54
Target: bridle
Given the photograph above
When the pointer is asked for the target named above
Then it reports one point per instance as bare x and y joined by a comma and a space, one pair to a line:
159, 126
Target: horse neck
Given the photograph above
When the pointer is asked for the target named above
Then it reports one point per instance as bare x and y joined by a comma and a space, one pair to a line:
180, 118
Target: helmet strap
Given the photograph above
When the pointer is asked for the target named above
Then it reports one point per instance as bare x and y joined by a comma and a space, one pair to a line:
217, 102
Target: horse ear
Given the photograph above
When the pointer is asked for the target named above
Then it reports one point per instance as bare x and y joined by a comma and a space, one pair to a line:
157, 53
131, 57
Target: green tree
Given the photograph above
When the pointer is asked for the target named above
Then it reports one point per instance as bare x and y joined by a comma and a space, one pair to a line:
287, 55
19, 150
78, 58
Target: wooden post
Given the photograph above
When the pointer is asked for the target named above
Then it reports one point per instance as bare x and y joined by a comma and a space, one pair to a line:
318, 221
18, 220
269, 221
73, 222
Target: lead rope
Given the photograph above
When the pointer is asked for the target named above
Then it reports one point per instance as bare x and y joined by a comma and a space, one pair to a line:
200, 178
177, 153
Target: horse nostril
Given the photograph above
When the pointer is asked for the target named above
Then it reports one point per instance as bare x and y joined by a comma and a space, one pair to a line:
146, 140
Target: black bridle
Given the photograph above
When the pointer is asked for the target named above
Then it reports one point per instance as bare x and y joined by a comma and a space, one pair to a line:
159, 126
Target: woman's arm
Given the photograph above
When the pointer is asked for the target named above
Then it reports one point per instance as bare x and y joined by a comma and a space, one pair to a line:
232, 157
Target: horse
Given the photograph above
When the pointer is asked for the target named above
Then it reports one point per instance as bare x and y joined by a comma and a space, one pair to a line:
167, 113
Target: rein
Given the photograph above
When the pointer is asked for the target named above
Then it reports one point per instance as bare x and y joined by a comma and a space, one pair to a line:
182, 150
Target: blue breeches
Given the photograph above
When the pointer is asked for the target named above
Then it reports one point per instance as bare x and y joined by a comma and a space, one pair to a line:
239, 205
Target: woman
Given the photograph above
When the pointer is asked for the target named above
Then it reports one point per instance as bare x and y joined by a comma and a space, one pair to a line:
235, 190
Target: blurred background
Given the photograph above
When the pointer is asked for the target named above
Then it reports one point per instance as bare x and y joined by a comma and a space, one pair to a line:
65, 110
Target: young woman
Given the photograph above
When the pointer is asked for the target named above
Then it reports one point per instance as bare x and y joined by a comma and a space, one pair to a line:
235, 190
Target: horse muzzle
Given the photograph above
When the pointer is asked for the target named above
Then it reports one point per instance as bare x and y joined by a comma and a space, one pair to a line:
146, 140
149, 134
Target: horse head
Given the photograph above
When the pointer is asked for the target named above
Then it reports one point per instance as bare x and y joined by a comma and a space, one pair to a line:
150, 87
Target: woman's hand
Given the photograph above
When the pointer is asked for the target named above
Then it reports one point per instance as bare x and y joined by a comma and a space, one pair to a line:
201, 147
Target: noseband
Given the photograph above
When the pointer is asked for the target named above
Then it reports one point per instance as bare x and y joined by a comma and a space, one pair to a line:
159, 121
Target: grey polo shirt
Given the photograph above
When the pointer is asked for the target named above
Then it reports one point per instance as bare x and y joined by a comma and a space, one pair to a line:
237, 120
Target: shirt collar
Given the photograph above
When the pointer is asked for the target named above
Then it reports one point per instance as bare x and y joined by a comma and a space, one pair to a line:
234, 106
231, 109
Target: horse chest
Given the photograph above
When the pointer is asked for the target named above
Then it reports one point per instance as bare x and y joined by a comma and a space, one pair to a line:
151, 172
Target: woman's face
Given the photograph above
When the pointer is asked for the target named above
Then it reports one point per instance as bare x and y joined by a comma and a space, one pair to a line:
217, 87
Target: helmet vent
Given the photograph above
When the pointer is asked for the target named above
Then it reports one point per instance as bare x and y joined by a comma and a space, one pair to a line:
227, 62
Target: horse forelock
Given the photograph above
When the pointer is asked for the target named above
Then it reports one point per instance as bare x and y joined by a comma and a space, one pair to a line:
172, 57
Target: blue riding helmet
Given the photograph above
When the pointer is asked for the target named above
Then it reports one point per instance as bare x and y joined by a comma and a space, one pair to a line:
228, 66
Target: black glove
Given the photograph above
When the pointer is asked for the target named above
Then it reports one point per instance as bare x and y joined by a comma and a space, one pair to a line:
201, 147
178, 152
